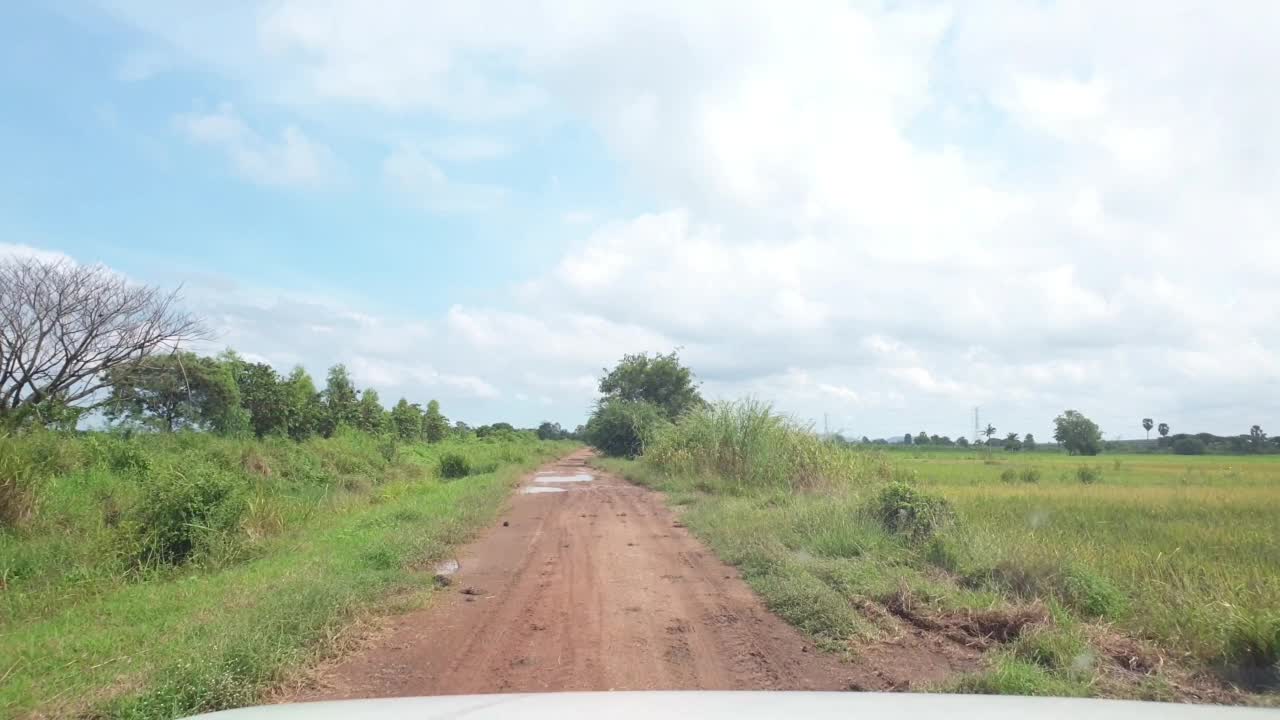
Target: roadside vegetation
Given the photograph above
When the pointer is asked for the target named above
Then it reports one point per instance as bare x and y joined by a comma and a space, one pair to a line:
179, 533
1138, 576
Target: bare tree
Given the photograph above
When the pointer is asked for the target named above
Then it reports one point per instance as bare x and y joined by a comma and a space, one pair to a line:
64, 325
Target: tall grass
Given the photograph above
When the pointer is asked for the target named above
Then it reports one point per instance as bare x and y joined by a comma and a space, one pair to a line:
160, 575
747, 445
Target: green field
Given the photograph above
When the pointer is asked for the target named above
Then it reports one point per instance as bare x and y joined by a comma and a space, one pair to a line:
1177, 556
1191, 543
163, 575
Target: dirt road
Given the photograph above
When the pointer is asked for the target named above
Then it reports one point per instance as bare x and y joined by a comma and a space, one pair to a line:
594, 587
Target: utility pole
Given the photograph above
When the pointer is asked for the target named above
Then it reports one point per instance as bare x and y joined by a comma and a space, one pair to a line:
975, 425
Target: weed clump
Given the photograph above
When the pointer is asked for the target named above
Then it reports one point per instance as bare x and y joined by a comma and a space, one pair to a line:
1009, 475
1089, 475
454, 466
1253, 640
1030, 475
907, 511
183, 512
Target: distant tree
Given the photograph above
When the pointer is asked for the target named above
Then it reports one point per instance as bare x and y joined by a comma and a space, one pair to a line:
1189, 445
866, 440
406, 420
1029, 442
494, 429
660, 380
990, 431
304, 408
907, 439
461, 429
65, 327
1257, 439
879, 441
550, 431
371, 417
962, 441
1077, 433
341, 403
1163, 429
1012, 443
434, 425
922, 438
1147, 424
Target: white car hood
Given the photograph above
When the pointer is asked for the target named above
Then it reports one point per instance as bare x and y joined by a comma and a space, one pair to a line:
738, 706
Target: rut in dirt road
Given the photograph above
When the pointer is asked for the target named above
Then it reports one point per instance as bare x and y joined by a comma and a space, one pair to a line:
595, 587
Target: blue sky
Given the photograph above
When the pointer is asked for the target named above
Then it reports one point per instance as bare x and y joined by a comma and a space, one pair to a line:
884, 213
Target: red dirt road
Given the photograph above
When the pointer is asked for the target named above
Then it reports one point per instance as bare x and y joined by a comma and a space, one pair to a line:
595, 588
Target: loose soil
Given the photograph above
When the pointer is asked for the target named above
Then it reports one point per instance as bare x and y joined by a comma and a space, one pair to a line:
600, 587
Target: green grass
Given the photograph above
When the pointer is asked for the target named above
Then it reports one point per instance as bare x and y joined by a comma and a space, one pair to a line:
328, 530
1181, 552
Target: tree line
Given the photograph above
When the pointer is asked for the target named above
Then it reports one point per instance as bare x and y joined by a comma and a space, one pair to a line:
77, 339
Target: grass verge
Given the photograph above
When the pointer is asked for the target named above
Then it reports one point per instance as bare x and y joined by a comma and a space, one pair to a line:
215, 633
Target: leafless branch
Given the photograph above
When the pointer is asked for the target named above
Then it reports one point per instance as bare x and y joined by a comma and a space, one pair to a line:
63, 326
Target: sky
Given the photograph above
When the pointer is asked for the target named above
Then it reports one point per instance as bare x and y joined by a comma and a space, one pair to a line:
876, 216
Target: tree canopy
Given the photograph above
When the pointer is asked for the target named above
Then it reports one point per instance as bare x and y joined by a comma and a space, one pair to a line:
1077, 433
660, 380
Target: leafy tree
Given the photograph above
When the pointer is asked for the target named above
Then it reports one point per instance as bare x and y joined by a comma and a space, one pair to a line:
922, 438
371, 417
461, 429
265, 396
550, 431
1163, 429
1077, 433
494, 429
406, 420
1257, 439
341, 404
962, 441
1029, 442
622, 428
1147, 424
303, 403
907, 439
660, 380
176, 391
434, 425
1012, 443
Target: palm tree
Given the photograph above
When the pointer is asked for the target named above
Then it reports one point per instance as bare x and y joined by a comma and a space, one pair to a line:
1146, 425
1163, 429
991, 430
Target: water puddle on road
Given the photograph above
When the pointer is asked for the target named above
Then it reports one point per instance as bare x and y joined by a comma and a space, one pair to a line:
583, 477
537, 490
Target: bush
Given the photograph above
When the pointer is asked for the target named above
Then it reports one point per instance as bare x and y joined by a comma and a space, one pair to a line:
1009, 475
1093, 595
1189, 446
454, 465
1030, 475
905, 510
183, 512
1089, 475
624, 428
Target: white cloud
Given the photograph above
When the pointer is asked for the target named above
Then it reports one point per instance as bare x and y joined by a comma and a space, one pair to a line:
468, 147
918, 206
420, 181
293, 160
